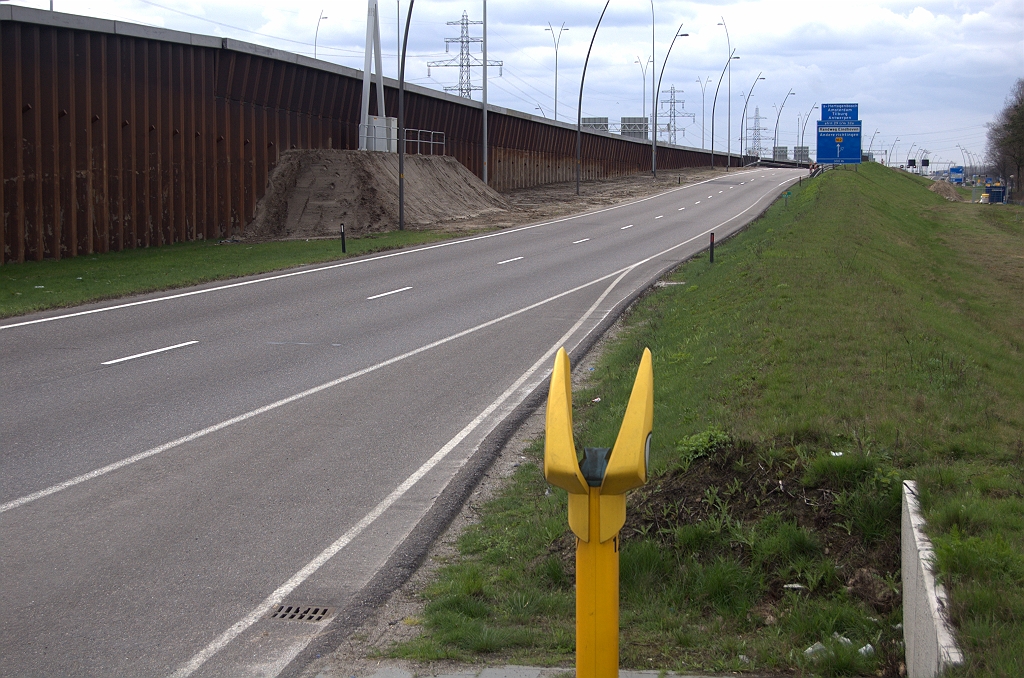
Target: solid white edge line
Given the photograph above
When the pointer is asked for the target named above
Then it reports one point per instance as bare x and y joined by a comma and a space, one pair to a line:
509, 261
128, 461
385, 294
312, 566
343, 264
142, 355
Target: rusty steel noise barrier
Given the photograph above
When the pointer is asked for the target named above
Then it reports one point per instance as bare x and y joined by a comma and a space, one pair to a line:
117, 136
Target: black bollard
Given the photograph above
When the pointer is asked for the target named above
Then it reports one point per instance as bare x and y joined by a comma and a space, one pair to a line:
343, 238
712, 248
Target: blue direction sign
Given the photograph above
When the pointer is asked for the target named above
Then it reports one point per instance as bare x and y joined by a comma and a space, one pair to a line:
848, 112
956, 175
839, 142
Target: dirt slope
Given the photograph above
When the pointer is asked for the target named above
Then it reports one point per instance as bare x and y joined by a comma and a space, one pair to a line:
946, 190
311, 193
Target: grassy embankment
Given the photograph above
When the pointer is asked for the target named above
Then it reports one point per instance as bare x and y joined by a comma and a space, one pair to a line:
36, 286
871, 331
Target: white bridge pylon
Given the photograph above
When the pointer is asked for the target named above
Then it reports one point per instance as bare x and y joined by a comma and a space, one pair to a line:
368, 133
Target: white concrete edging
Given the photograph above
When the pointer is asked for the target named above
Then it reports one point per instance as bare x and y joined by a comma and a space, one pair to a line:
930, 646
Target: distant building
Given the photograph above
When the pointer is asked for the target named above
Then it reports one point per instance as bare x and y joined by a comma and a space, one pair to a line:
637, 128
600, 124
801, 153
780, 152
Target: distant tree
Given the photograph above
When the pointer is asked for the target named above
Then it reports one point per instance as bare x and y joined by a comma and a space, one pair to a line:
1006, 135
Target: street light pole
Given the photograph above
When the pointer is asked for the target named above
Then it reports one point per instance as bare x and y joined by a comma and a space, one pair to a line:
804, 128
728, 136
788, 94
743, 122
654, 103
702, 108
908, 154
556, 40
657, 92
483, 145
714, 104
401, 122
579, 107
643, 80
888, 157
315, 35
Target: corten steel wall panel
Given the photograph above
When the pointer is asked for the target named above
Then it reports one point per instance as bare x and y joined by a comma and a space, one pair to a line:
112, 142
4, 255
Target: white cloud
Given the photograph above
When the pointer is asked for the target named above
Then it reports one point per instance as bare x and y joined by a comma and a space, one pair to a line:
914, 67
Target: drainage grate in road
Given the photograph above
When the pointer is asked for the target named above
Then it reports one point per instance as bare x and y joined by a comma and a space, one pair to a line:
306, 613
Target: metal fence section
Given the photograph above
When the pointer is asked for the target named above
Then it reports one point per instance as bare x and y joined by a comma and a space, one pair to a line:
418, 139
118, 136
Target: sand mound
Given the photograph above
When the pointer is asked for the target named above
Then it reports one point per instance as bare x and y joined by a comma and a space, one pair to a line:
311, 193
946, 190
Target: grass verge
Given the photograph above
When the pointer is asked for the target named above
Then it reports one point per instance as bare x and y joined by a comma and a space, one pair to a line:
40, 285
868, 332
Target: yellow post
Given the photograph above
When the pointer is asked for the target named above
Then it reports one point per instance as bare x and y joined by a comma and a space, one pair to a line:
597, 508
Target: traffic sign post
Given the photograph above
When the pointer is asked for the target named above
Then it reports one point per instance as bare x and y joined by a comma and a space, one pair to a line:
839, 135
597, 507
839, 143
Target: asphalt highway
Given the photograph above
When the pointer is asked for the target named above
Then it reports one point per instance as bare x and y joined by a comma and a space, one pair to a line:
174, 466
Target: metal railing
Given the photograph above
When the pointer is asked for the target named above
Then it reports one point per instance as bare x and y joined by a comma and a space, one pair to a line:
434, 141
378, 137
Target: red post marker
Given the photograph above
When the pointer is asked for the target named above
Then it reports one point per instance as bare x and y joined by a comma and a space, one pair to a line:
712, 248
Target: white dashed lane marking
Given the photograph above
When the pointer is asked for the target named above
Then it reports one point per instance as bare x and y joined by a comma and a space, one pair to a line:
378, 296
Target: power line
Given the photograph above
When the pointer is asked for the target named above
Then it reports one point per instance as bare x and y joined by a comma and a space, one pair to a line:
465, 61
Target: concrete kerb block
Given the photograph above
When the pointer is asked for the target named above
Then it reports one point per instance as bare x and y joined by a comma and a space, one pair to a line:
930, 645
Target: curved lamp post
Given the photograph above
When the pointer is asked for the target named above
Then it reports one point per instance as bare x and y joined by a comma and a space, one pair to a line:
715, 103
657, 92
728, 134
401, 123
579, 107
643, 79
654, 98
702, 107
315, 35
963, 155
743, 121
888, 157
556, 39
808, 117
788, 94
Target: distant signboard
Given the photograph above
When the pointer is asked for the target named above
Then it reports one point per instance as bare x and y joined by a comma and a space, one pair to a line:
839, 142
848, 112
956, 175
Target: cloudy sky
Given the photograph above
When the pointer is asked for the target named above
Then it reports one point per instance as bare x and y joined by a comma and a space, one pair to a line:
931, 73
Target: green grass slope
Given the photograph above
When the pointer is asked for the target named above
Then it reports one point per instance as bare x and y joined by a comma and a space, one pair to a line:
40, 285
867, 332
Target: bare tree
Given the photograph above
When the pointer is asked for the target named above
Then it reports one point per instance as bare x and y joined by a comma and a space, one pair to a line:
1006, 136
